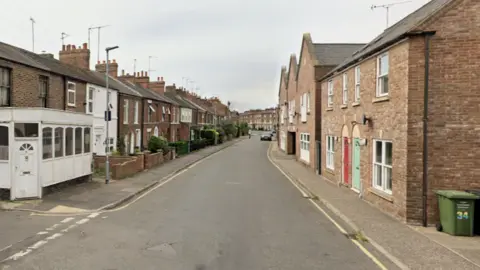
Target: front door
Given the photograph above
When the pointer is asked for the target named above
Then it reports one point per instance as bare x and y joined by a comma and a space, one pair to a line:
139, 138
346, 161
318, 157
132, 143
356, 165
26, 174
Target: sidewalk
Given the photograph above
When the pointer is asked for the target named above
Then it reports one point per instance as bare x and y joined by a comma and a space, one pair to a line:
415, 248
95, 194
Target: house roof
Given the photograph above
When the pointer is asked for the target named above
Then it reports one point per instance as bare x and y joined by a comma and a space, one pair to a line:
205, 105
118, 85
198, 107
393, 33
147, 93
179, 100
333, 54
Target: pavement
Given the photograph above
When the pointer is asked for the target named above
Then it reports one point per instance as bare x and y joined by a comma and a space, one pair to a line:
233, 210
409, 247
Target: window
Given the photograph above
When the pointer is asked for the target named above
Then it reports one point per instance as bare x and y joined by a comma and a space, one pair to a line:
68, 141
345, 88
58, 142
331, 152
43, 90
151, 110
135, 114
29, 130
163, 114
78, 140
305, 141
357, 83
330, 93
71, 96
5, 88
308, 102
125, 111
47, 143
86, 140
90, 93
4, 143
382, 165
382, 75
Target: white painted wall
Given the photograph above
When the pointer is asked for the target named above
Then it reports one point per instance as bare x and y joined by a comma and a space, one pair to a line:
99, 125
185, 115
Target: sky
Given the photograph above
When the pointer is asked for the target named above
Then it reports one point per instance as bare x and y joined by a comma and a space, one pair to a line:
227, 48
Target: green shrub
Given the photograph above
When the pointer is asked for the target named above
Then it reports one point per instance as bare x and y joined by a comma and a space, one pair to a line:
209, 135
181, 147
158, 143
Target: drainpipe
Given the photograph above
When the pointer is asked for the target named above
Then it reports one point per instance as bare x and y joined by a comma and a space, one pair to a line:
427, 36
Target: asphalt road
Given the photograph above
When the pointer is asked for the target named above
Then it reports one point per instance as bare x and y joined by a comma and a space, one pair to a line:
234, 210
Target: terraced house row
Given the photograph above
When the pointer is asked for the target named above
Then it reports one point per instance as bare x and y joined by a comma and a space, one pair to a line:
263, 119
394, 119
52, 115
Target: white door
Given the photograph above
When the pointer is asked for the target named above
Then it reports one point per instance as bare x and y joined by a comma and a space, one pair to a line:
132, 143
305, 147
155, 132
26, 174
283, 141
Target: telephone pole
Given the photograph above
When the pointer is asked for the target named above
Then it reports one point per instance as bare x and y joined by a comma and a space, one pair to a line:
33, 34
387, 8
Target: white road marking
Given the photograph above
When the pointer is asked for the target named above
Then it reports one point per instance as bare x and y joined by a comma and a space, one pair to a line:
38, 244
5, 248
94, 215
42, 233
339, 227
82, 221
54, 236
18, 255
53, 227
69, 228
67, 220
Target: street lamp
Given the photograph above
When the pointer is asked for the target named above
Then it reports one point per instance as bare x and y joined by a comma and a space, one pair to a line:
107, 118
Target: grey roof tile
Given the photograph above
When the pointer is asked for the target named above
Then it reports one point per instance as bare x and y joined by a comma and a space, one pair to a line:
330, 54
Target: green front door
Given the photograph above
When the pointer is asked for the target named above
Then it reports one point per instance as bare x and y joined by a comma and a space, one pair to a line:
356, 165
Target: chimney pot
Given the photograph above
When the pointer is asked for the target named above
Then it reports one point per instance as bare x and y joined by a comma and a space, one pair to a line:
63, 47
69, 47
85, 46
158, 78
73, 47
138, 74
109, 61
123, 72
146, 74
128, 74
98, 62
161, 79
142, 73
114, 61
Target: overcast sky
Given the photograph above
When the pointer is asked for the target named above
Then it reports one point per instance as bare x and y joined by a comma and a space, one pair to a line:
232, 49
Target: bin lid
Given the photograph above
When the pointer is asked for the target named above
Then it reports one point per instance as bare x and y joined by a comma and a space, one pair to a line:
457, 194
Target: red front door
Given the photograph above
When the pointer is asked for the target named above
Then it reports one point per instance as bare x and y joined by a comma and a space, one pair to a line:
346, 161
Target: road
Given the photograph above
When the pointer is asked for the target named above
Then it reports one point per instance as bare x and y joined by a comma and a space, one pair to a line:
234, 210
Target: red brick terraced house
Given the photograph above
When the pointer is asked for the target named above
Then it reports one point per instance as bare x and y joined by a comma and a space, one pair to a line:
412, 90
183, 129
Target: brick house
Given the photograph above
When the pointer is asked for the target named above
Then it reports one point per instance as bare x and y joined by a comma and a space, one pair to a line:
283, 110
182, 130
374, 131
159, 88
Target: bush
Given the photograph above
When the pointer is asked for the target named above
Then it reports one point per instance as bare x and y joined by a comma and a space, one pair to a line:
181, 147
209, 135
221, 135
158, 143
198, 144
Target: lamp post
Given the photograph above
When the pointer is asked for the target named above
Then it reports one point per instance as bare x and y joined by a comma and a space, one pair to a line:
107, 119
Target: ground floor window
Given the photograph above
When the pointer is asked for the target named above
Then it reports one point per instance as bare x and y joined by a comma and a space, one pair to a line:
330, 152
4, 143
382, 165
305, 141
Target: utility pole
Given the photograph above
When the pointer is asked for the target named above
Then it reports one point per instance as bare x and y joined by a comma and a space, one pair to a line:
149, 69
107, 119
65, 35
387, 8
98, 29
33, 34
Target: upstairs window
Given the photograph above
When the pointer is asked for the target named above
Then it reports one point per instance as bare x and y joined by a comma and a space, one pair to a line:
43, 90
71, 93
357, 84
5, 88
90, 94
125, 111
330, 93
382, 75
135, 113
345, 89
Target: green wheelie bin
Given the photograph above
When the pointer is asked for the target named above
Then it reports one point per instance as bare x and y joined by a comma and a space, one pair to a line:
456, 210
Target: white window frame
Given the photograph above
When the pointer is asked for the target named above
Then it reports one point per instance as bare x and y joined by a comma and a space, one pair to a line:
89, 100
345, 89
383, 166
330, 93
125, 111
135, 114
330, 157
382, 76
357, 83
308, 102
74, 91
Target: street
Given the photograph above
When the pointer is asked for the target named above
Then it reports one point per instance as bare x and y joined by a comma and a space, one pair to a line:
234, 210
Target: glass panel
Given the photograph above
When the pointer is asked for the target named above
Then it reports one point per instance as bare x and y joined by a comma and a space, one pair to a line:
86, 140
384, 65
71, 86
388, 178
71, 97
388, 153
68, 141
377, 171
3, 143
378, 151
59, 142
29, 130
384, 84
47, 143
5, 74
78, 140
90, 93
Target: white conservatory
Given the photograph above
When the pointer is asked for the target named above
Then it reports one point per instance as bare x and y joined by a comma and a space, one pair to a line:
42, 147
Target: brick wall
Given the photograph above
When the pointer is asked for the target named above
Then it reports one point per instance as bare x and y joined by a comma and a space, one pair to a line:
99, 161
130, 127
389, 122
128, 168
454, 117
153, 159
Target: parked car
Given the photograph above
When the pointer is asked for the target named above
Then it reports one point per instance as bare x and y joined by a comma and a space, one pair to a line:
266, 137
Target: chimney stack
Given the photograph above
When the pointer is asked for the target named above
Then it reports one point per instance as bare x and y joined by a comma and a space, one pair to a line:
112, 68
158, 86
79, 57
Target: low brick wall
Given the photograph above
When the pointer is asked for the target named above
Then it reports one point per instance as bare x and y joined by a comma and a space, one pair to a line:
128, 168
153, 159
99, 161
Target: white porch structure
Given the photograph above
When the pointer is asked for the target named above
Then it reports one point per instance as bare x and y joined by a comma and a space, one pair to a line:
42, 147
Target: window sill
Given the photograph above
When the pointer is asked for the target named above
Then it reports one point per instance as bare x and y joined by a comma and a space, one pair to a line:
330, 171
343, 106
381, 99
71, 105
381, 194
329, 109
355, 104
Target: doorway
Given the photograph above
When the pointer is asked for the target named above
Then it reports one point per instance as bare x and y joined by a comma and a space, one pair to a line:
356, 165
292, 143
26, 169
346, 162
318, 155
